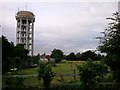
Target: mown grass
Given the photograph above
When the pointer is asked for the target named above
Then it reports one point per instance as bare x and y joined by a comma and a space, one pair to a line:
28, 71
60, 68
66, 68
69, 67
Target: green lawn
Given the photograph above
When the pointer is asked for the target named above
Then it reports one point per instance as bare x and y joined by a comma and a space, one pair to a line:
70, 67
65, 68
60, 68
28, 71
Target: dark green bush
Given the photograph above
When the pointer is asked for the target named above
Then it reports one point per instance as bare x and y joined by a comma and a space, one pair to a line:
91, 73
45, 73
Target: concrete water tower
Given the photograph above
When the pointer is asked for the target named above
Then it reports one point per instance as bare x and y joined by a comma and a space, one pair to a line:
25, 30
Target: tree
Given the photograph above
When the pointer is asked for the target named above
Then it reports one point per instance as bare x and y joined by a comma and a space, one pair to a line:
89, 71
45, 73
110, 44
7, 51
57, 54
20, 51
36, 59
88, 54
14, 62
12, 55
78, 56
71, 56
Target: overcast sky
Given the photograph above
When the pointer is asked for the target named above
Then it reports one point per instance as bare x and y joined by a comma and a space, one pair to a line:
69, 26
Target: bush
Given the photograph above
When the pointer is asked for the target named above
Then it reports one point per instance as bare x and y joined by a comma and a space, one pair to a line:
91, 73
14, 82
45, 73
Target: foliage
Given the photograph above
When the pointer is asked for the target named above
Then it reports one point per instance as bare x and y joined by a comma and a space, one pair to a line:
7, 51
57, 55
14, 82
45, 73
84, 56
14, 62
90, 73
13, 56
36, 59
110, 44
20, 51
78, 56
89, 54
71, 56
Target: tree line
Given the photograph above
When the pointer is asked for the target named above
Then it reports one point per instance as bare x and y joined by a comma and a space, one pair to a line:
58, 55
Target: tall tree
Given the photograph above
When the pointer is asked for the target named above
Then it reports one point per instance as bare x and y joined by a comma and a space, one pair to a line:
12, 55
110, 44
71, 56
20, 51
57, 54
88, 55
7, 51
78, 55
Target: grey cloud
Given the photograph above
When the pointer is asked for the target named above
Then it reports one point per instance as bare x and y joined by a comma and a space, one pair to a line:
70, 26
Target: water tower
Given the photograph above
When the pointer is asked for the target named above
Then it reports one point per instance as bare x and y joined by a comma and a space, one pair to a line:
25, 30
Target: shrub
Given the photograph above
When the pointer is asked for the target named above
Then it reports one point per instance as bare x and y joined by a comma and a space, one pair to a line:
90, 73
45, 73
14, 82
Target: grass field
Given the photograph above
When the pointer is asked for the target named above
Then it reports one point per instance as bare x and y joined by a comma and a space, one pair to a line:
66, 68
69, 67
60, 80
60, 68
